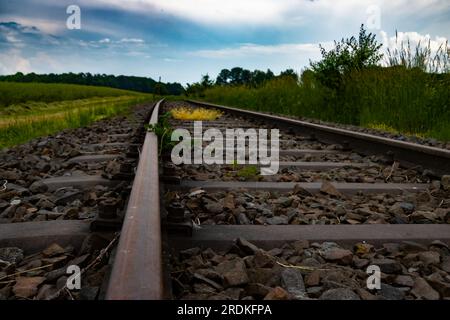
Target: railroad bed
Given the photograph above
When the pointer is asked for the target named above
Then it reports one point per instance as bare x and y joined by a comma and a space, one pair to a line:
341, 201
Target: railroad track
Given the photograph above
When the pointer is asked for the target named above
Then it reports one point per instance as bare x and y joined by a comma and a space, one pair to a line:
341, 201
231, 234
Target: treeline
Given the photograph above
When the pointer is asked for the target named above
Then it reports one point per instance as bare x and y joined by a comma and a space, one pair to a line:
140, 84
237, 76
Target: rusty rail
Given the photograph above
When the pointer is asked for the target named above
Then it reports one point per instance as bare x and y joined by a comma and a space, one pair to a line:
137, 270
408, 154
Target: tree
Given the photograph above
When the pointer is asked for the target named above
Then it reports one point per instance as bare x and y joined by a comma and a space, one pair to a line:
347, 55
290, 73
206, 81
224, 77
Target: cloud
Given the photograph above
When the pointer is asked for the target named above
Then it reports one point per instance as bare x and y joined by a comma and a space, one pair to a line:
11, 61
18, 35
131, 40
270, 12
255, 50
414, 38
44, 25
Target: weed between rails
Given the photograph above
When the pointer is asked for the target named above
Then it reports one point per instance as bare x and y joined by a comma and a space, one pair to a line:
195, 114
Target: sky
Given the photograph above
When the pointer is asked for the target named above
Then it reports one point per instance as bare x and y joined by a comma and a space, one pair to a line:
180, 40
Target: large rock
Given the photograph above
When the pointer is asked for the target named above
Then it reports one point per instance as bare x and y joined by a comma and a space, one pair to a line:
246, 246
439, 284
339, 294
277, 220
387, 265
234, 272
429, 257
329, 189
38, 187
391, 293
422, 290
405, 281
53, 250
338, 255
277, 293
292, 281
27, 287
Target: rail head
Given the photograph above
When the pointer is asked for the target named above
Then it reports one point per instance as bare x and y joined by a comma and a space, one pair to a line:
436, 159
137, 270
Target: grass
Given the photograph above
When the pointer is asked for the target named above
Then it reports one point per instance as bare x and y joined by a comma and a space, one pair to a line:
25, 128
409, 94
409, 101
28, 119
248, 172
195, 114
15, 93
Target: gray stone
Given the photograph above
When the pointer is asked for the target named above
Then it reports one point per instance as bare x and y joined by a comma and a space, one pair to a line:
246, 246
38, 187
445, 182
422, 290
277, 220
88, 293
234, 272
339, 255
292, 282
11, 254
387, 265
391, 293
429, 257
339, 294
329, 189
407, 207
439, 284
284, 201
242, 219
405, 281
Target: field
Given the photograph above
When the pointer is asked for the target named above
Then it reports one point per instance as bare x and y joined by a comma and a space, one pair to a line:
29, 110
408, 101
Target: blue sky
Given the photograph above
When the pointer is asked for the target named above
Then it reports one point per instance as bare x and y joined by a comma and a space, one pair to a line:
180, 40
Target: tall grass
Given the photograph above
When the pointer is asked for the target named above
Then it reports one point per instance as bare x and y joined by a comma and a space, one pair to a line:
409, 94
14, 93
407, 100
24, 128
422, 56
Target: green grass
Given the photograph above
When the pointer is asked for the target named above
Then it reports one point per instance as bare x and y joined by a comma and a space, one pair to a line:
22, 129
409, 101
15, 93
82, 105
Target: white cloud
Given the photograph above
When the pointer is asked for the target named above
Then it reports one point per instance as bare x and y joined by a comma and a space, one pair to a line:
414, 39
270, 12
11, 61
131, 40
254, 50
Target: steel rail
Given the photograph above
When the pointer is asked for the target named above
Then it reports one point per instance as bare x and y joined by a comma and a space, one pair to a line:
137, 270
408, 154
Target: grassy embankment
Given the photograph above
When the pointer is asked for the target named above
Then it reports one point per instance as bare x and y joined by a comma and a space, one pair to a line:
411, 96
394, 99
30, 110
